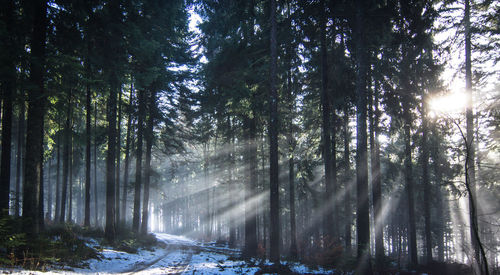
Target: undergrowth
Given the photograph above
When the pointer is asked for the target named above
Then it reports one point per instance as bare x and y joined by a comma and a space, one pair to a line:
58, 244
61, 244
130, 242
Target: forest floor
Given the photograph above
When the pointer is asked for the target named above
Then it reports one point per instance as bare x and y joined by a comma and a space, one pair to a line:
172, 255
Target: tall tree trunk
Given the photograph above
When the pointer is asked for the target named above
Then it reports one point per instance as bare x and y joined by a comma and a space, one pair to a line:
376, 178
440, 239
66, 159
36, 114
58, 177
347, 181
275, 239
49, 191
250, 188
127, 158
88, 110
208, 220
110, 230
325, 141
95, 168
471, 153
41, 195
426, 183
147, 165
291, 142
412, 233
118, 156
232, 182
334, 188
291, 182
138, 164
70, 182
406, 98
362, 204
20, 155
8, 88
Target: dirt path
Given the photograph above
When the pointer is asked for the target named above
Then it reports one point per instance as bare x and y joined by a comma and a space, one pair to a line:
183, 266
176, 258
163, 264
140, 266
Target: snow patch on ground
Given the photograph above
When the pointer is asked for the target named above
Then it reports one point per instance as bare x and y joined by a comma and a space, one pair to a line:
180, 256
212, 263
174, 239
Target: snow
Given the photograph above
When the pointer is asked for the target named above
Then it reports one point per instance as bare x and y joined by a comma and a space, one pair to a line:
181, 255
174, 239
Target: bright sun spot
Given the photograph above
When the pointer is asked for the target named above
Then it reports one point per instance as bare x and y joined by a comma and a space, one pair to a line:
449, 104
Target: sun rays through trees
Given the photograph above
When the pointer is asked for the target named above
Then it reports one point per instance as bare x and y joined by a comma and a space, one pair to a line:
358, 135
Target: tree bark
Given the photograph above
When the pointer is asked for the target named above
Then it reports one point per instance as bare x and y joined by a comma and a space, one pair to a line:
275, 239
376, 179
362, 203
147, 165
250, 189
325, 141
70, 182
49, 190
127, 158
412, 233
41, 196
426, 183
95, 168
66, 159
36, 114
20, 155
8, 88
232, 182
293, 226
440, 239
347, 182
138, 164
469, 115
291, 142
110, 230
58, 178
88, 109
118, 157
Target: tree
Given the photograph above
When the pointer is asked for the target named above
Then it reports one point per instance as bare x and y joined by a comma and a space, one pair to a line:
147, 166
110, 163
374, 118
127, 158
138, 162
8, 76
36, 112
20, 156
362, 205
326, 112
66, 159
114, 49
470, 168
426, 183
118, 158
273, 142
88, 109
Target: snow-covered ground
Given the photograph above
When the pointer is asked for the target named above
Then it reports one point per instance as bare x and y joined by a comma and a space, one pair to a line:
180, 256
